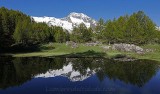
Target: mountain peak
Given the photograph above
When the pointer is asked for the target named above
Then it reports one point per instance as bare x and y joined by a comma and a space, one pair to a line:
158, 28
75, 14
69, 72
72, 20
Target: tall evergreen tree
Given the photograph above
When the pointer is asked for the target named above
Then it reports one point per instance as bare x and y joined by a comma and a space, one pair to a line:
1, 32
99, 28
81, 34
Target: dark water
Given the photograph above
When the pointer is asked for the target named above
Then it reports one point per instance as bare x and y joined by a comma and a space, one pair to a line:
78, 76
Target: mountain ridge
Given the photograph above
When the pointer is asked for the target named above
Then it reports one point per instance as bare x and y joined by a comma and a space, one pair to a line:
69, 72
68, 22
158, 28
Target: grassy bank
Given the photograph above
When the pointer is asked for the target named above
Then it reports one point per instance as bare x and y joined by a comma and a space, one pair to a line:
57, 49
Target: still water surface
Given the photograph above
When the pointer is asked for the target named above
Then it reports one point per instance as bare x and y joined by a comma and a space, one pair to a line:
78, 76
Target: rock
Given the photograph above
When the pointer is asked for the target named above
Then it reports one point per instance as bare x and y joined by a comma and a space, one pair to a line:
128, 48
68, 43
106, 47
90, 44
72, 44
149, 50
124, 58
93, 43
75, 45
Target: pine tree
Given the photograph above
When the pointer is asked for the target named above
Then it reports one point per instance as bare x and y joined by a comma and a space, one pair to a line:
81, 34
99, 28
60, 35
1, 32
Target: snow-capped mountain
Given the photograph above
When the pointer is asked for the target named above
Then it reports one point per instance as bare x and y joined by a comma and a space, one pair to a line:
69, 22
67, 71
158, 28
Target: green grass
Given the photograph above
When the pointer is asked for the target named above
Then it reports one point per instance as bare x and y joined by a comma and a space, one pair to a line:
56, 49
150, 55
60, 49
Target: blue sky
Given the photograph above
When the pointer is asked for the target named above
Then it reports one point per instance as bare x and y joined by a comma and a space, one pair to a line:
106, 9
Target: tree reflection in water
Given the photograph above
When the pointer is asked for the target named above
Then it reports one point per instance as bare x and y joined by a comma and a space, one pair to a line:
16, 71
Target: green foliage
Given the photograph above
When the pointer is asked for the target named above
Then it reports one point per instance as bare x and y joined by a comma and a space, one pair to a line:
61, 35
1, 32
136, 29
99, 28
21, 32
9, 20
17, 71
17, 28
81, 34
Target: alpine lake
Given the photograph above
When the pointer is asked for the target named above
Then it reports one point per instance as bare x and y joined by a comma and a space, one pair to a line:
62, 75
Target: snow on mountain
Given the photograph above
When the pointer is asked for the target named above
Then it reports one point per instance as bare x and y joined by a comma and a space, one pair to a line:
67, 71
158, 28
69, 22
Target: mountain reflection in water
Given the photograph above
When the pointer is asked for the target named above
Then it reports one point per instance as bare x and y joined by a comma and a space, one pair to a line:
18, 71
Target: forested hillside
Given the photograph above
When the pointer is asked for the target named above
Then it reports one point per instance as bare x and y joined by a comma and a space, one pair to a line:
137, 28
18, 29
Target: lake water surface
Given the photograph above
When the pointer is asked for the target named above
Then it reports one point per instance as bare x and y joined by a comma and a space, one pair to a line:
78, 76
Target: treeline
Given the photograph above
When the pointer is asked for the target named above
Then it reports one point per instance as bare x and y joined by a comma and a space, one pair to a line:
135, 29
19, 30
16, 71
81, 34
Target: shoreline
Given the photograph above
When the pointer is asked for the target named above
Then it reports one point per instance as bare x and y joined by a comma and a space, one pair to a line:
60, 49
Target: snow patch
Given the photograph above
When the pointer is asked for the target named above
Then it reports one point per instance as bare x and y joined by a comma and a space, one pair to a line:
69, 22
67, 71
